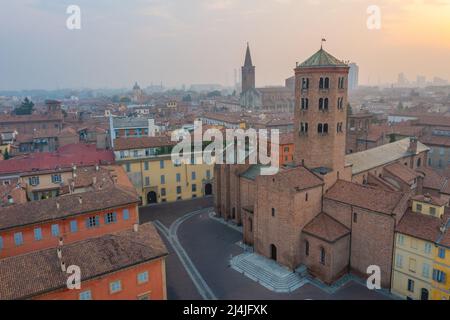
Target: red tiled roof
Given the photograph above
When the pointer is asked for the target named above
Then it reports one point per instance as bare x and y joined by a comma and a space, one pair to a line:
420, 226
435, 140
66, 156
295, 179
30, 118
36, 273
69, 205
142, 143
325, 227
364, 197
402, 172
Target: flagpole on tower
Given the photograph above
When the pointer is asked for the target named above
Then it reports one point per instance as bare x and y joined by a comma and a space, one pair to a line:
321, 43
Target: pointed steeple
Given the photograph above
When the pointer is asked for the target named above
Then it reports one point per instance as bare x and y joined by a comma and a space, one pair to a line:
248, 57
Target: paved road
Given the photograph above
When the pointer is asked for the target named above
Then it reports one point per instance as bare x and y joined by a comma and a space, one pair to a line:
209, 245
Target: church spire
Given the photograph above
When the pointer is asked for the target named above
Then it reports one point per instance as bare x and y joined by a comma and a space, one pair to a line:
248, 57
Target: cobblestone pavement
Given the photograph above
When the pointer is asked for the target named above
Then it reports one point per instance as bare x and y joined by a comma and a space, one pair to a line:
200, 251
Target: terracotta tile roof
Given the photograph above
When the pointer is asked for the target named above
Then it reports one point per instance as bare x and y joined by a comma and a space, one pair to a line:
142, 143
36, 273
234, 118
294, 179
69, 205
433, 140
434, 120
402, 172
376, 132
5, 119
420, 225
86, 176
431, 179
65, 157
365, 197
326, 228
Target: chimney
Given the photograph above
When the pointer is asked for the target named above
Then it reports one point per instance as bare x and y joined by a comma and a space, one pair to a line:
57, 204
135, 227
61, 241
427, 198
59, 253
94, 180
97, 167
412, 145
63, 266
80, 200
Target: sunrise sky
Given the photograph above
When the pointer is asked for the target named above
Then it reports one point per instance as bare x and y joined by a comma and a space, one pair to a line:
203, 41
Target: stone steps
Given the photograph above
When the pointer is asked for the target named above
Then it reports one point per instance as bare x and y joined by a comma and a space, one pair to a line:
268, 273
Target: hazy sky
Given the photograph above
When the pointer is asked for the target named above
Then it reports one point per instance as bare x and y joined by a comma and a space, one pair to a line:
203, 41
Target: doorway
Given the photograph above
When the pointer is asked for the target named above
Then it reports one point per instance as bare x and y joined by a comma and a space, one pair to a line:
273, 252
208, 189
152, 197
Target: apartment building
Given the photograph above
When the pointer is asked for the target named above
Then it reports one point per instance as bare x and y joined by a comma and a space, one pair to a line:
148, 163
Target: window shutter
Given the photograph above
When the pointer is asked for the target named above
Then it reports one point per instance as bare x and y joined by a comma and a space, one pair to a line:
87, 223
114, 216
97, 221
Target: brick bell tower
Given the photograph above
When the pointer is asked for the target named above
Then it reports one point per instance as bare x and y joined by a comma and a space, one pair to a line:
248, 72
321, 84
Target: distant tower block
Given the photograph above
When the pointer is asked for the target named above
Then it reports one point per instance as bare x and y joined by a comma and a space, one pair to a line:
321, 84
248, 72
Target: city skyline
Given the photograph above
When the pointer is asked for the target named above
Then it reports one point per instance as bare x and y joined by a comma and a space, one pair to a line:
203, 42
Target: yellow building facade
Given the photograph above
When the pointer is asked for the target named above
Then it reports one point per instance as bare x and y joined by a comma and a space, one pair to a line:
441, 274
421, 258
157, 178
413, 266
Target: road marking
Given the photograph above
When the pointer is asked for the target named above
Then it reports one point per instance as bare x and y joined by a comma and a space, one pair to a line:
172, 237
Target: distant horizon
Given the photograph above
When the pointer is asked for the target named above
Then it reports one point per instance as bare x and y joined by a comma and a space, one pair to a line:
203, 41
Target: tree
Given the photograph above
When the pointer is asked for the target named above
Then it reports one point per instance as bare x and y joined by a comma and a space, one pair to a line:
26, 107
400, 106
392, 138
215, 93
6, 155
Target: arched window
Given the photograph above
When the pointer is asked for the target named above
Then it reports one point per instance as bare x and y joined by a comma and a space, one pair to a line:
306, 248
419, 162
322, 255
325, 128
319, 128
305, 103
321, 83
325, 104
327, 83
321, 104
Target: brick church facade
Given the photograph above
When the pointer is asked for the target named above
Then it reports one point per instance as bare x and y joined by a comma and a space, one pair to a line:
330, 212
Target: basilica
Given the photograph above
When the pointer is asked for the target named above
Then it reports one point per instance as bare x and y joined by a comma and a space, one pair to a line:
330, 212
267, 99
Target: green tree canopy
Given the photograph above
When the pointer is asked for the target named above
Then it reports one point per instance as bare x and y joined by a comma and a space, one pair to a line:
26, 107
